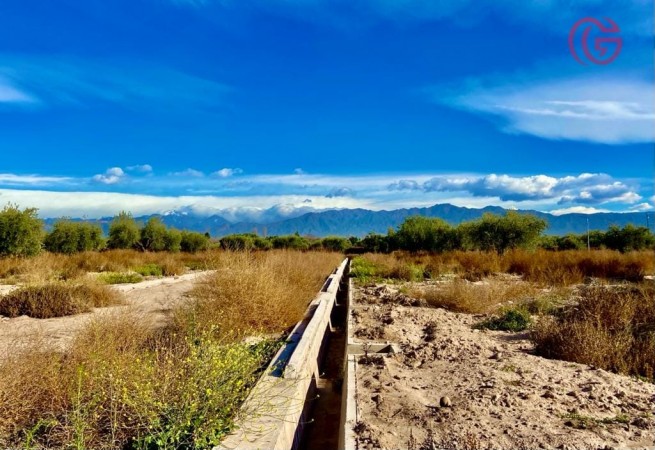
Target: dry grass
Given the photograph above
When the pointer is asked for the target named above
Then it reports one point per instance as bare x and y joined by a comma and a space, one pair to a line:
562, 268
50, 266
125, 384
255, 292
611, 327
57, 299
476, 298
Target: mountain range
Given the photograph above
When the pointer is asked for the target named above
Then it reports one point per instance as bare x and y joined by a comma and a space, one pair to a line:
359, 222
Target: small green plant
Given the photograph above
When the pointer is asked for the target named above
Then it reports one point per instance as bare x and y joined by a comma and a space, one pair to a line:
581, 422
363, 269
514, 319
120, 278
149, 270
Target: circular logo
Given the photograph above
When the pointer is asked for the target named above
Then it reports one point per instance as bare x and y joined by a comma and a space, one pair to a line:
601, 46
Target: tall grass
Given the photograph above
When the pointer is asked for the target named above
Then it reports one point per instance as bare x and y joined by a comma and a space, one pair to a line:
126, 384
463, 296
611, 327
561, 268
255, 292
50, 266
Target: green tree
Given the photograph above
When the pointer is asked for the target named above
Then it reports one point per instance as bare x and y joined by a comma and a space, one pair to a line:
335, 244
123, 232
425, 233
21, 232
629, 238
154, 236
193, 242
501, 233
71, 237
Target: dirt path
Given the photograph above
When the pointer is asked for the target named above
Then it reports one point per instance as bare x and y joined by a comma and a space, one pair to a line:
152, 300
471, 389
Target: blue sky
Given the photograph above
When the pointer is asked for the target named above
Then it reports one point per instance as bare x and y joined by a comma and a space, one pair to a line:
259, 109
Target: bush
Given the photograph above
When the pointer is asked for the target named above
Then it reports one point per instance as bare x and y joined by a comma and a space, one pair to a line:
72, 237
501, 233
123, 232
56, 300
423, 233
149, 270
513, 319
192, 242
21, 232
335, 244
120, 278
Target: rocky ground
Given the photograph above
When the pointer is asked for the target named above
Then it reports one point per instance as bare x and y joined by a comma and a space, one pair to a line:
454, 387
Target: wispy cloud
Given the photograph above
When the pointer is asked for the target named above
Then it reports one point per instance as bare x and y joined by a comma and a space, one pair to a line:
227, 172
189, 173
582, 108
10, 179
140, 168
10, 94
642, 207
51, 81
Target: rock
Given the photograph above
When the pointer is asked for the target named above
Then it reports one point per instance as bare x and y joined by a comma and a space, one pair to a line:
497, 356
445, 402
495, 397
548, 394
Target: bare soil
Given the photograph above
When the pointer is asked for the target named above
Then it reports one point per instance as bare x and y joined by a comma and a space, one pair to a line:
151, 301
454, 387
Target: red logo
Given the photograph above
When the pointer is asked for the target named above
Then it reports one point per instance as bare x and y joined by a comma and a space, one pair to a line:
600, 43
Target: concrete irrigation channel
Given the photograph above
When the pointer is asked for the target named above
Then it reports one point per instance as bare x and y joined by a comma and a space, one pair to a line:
306, 398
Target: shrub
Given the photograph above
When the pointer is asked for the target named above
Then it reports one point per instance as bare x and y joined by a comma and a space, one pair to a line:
123, 232
154, 235
21, 232
513, 319
56, 300
192, 242
611, 327
424, 233
149, 270
120, 278
501, 233
72, 237
335, 244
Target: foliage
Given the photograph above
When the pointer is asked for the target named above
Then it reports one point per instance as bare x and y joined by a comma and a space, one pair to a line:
21, 232
512, 319
120, 278
335, 244
71, 237
424, 233
149, 270
123, 232
193, 242
501, 233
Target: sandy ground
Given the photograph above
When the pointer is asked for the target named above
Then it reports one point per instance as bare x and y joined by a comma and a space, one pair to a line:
496, 393
151, 299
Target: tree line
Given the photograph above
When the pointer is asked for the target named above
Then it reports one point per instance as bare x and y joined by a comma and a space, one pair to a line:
22, 233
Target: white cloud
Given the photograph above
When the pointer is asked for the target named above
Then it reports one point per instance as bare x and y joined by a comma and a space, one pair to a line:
11, 179
299, 171
112, 175
189, 173
578, 210
642, 207
583, 108
585, 188
227, 172
142, 168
